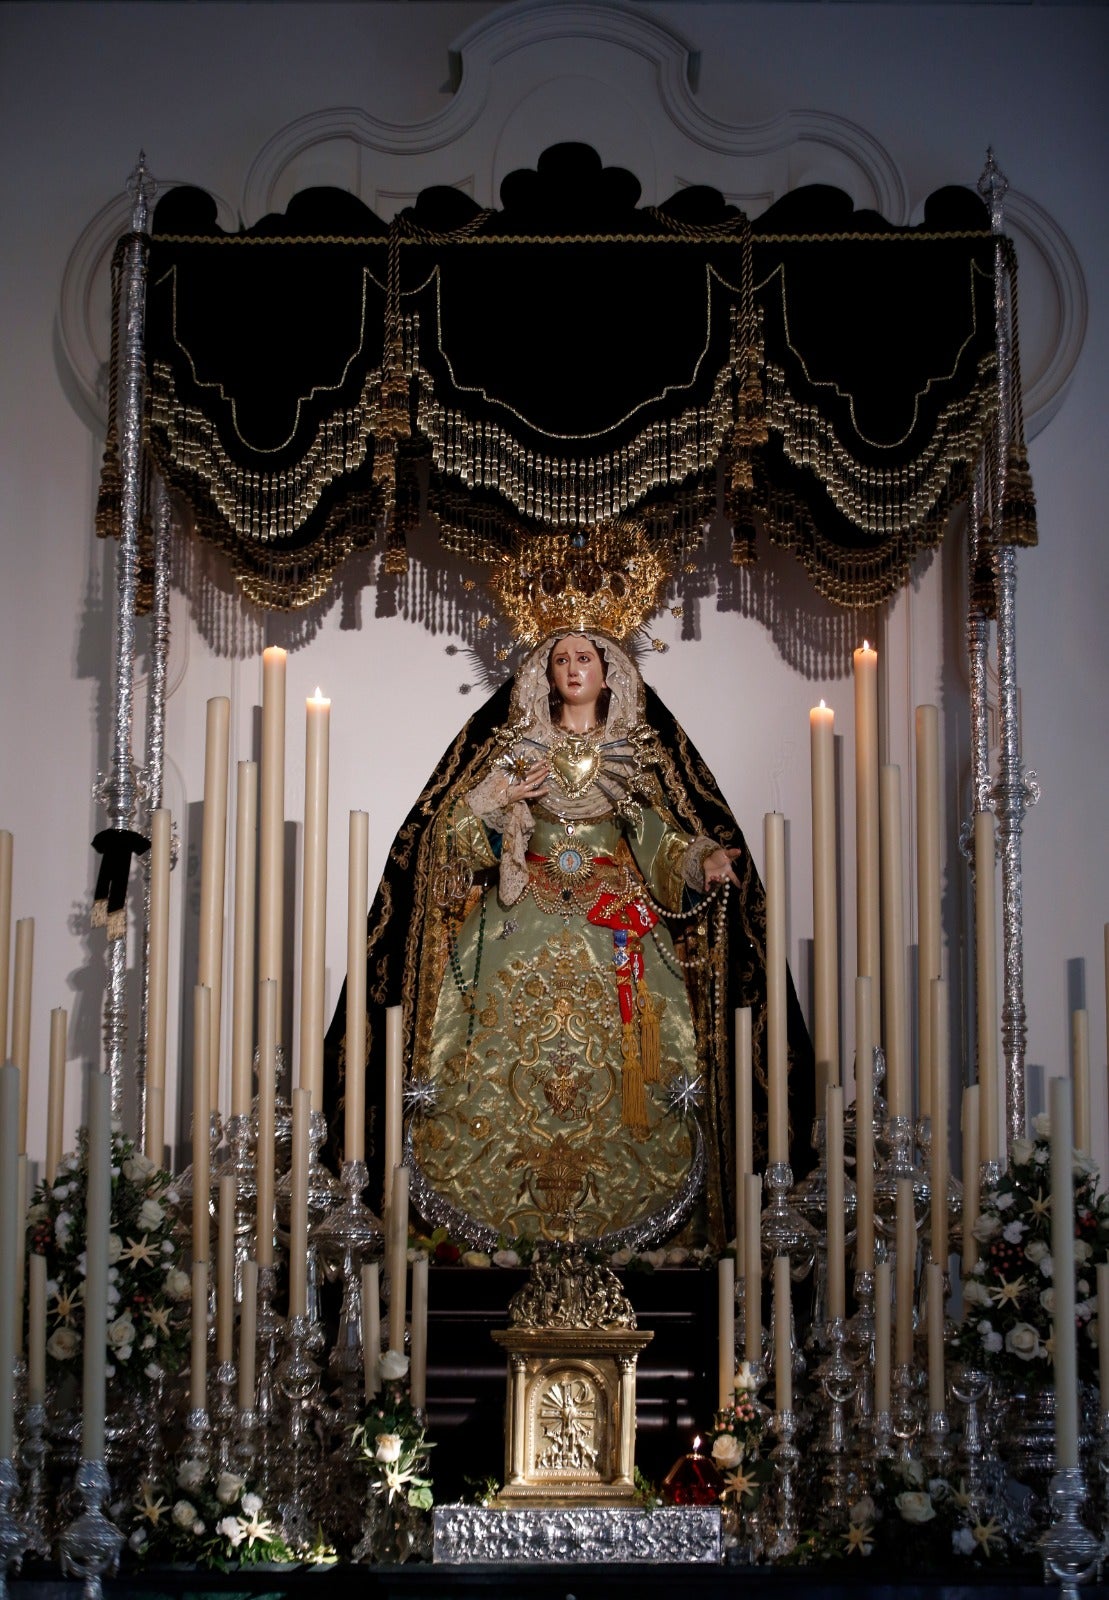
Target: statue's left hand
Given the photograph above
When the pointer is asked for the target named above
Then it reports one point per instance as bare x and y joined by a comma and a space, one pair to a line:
717, 867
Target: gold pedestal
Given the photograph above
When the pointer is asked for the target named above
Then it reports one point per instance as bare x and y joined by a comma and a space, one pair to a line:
570, 1413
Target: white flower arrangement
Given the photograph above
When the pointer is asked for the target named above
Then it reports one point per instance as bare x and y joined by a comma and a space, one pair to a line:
212, 1523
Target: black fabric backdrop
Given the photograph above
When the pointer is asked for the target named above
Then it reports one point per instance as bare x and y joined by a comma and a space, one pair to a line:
561, 334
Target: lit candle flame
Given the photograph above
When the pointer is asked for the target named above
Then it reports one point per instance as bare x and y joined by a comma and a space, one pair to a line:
696, 1441
866, 644
823, 707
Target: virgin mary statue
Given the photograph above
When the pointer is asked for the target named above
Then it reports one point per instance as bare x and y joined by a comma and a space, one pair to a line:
569, 918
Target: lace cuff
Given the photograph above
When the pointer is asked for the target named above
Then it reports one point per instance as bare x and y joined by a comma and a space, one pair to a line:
693, 863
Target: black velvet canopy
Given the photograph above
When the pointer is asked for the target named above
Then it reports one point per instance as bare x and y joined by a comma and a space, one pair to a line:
321, 379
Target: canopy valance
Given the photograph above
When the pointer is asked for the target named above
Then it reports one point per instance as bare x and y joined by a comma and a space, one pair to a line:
319, 380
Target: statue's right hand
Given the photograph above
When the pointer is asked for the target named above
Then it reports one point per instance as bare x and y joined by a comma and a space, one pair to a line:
533, 784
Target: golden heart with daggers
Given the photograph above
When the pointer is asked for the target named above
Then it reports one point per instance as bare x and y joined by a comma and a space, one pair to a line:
576, 763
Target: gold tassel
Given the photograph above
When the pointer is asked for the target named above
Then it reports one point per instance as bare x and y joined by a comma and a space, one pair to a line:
633, 1110
1018, 503
99, 915
648, 1035
116, 923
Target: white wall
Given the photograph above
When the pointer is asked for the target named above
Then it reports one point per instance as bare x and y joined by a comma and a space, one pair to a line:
890, 102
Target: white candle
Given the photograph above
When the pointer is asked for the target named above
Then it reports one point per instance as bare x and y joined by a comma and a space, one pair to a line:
198, 1345
213, 867
837, 1296
893, 945
21, 1254
744, 1116
1103, 1333
36, 1331
6, 932
419, 1332
985, 963
864, 1125
1062, 1251
154, 1128
314, 897
783, 1355
882, 1303
248, 1336
202, 1081
776, 1035
752, 1269
822, 748
264, 1153
937, 1392
398, 1257
354, 1125
1080, 1073
298, 1211
867, 876
394, 1091
906, 1270
10, 1223
55, 1092
928, 886
371, 1327
271, 833
225, 1270
972, 1149
242, 979
21, 1014
725, 1327
98, 1213
940, 1162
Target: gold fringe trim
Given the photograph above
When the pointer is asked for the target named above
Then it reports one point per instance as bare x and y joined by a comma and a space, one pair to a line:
649, 1035
633, 1099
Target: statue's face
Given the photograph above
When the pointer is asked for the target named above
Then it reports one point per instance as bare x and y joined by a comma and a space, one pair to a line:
576, 671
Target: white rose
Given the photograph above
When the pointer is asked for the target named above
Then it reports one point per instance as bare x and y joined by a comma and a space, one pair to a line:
232, 1530
745, 1380
151, 1216
1002, 1201
63, 1228
505, 1258
1035, 1250
991, 1339
121, 1332
190, 1474
152, 1370
911, 1471
393, 1365
178, 1284
37, 1213
115, 1248
976, 1293
252, 1504
198, 1528
677, 1256
1041, 1125
862, 1512
985, 1227
1020, 1152
1047, 1300
1022, 1340
1082, 1250
183, 1514
727, 1451
915, 1506
229, 1488
1047, 1266
656, 1258
387, 1447
476, 1258
1084, 1165
1013, 1232
62, 1344
137, 1167
621, 1257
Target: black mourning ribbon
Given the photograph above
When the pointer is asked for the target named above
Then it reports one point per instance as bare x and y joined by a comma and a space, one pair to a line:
116, 846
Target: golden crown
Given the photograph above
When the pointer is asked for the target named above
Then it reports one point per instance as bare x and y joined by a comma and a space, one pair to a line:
606, 579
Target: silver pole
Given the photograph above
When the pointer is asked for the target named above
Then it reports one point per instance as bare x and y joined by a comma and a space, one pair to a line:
119, 791
1012, 795
155, 752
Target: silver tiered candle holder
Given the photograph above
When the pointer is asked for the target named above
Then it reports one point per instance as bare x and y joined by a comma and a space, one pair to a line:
298, 1377
784, 1232
34, 1488
1070, 1551
809, 1199
323, 1194
839, 1380
345, 1240
969, 1386
270, 1336
785, 1455
89, 1547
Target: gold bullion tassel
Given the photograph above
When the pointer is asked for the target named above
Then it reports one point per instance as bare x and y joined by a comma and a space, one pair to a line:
396, 554
983, 591
743, 537
633, 1110
648, 1034
1018, 503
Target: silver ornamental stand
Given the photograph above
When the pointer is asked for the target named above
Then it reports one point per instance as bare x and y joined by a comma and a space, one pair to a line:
154, 771
1012, 795
118, 790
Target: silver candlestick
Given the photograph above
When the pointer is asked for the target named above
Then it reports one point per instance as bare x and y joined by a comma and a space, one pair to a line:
346, 1239
34, 1492
839, 1380
89, 1547
785, 1456
1069, 1550
13, 1540
298, 1378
